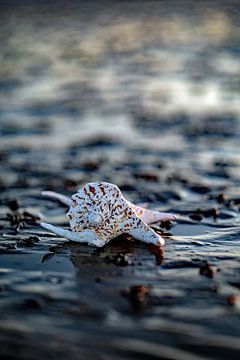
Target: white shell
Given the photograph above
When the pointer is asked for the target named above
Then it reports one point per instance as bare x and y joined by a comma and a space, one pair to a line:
102, 209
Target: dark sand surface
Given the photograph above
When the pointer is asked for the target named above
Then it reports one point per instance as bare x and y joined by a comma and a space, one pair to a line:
145, 95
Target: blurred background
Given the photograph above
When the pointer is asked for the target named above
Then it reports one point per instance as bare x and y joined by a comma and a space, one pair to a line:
162, 75
73, 69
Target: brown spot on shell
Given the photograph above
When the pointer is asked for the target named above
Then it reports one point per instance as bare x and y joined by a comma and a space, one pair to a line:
92, 190
102, 190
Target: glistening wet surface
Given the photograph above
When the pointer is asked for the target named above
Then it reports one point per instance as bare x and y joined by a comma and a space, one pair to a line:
146, 97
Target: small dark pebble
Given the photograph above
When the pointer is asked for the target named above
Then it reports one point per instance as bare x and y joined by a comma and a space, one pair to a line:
177, 178
147, 176
15, 221
33, 303
221, 198
137, 296
200, 189
196, 216
206, 270
28, 242
22, 182
160, 165
214, 212
13, 204
91, 165
70, 185
119, 260
19, 219
223, 163
233, 299
200, 213
166, 225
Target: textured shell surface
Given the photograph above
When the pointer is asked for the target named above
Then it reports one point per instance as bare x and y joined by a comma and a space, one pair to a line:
93, 207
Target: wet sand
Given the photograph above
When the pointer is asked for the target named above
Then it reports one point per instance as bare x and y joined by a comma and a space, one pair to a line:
146, 97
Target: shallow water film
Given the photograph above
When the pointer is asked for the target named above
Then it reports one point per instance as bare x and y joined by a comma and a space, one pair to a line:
145, 95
